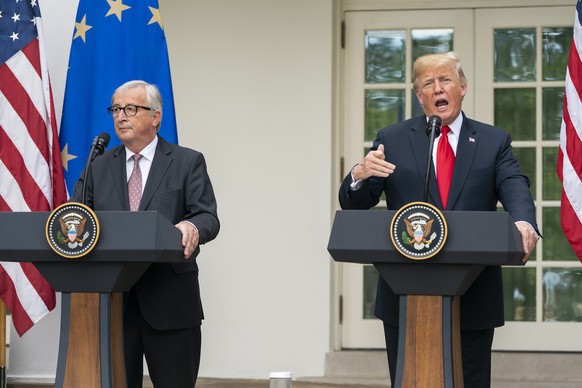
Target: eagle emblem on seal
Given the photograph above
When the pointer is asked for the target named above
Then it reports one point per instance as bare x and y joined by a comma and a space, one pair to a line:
418, 231
72, 228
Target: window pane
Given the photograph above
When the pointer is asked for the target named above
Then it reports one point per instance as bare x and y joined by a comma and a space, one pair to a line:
552, 103
431, 42
526, 157
552, 188
514, 55
562, 295
385, 56
416, 107
555, 47
370, 282
383, 107
519, 294
515, 111
556, 247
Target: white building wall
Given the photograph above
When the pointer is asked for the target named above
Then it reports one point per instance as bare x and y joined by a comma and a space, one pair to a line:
252, 84
253, 91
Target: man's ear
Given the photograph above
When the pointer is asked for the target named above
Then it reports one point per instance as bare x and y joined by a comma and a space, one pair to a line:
157, 119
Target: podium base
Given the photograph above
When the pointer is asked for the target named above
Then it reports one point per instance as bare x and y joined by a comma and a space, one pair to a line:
91, 342
429, 342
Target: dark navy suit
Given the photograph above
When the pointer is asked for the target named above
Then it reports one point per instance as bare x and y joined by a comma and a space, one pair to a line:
485, 172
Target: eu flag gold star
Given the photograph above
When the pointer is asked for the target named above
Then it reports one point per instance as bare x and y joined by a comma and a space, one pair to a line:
82, 29
65, 157
156, 17
117, 7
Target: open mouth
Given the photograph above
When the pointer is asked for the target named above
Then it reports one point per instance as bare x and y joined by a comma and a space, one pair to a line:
442, 104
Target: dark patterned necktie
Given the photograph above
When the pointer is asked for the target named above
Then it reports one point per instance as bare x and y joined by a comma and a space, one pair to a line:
134, 184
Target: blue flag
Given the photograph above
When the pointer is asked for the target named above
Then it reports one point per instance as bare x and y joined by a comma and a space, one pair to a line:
114, 41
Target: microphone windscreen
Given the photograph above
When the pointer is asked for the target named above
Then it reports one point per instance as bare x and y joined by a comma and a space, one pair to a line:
434, 120
434, 123
105, 137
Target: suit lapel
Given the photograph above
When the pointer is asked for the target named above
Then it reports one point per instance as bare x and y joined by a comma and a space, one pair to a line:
466, 149
119, 171
160, 165
420, 144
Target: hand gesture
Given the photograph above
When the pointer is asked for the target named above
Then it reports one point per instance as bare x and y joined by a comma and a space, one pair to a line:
374, 164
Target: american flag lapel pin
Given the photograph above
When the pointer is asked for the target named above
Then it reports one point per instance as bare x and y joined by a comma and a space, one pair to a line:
471, 140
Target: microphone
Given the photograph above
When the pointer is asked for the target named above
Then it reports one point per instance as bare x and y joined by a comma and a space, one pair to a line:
434, 125
433, 129
100, 142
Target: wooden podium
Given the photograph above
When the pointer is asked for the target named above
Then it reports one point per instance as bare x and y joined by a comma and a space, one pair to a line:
429, 346
91, 340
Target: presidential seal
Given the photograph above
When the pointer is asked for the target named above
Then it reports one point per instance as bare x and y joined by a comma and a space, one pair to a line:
418, 230
72, 230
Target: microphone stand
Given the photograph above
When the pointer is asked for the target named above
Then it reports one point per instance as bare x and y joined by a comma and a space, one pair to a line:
434, 127
97, 148
90, 159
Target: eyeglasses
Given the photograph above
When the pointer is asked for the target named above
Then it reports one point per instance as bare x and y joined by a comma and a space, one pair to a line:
129, 110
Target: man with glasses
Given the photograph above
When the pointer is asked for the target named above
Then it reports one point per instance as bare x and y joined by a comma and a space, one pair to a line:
163, 311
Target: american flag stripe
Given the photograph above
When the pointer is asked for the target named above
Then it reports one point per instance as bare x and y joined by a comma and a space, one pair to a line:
28, 299
31, 173
11, 197
569, 166
25, 67
33, 196
25, 92
23, 103
3, 204
25, 129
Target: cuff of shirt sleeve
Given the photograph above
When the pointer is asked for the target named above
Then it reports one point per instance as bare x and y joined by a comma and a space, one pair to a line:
191, 224
356, 184
529, 225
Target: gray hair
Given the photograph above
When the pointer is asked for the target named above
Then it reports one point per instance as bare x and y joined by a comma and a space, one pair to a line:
153, 96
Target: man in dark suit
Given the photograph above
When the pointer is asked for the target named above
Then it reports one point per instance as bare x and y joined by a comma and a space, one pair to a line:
484, 172
163, 311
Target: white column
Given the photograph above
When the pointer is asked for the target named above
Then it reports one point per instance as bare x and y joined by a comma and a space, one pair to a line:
32, 358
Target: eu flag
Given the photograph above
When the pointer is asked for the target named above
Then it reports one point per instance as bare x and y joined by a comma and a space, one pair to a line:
114, 41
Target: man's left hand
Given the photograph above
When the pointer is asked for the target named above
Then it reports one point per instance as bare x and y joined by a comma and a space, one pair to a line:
529, 238
190, 237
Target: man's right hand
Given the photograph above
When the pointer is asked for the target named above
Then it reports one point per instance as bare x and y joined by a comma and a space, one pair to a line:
374, 164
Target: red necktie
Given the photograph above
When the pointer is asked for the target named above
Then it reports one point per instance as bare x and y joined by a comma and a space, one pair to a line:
445, 164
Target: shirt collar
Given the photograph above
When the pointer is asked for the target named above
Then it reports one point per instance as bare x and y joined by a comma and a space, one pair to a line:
148, 152
456, 126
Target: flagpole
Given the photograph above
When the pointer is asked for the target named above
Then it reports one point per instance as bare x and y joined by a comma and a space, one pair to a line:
2, 344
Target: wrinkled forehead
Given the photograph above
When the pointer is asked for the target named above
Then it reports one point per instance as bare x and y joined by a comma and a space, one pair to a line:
439, 72
133, 95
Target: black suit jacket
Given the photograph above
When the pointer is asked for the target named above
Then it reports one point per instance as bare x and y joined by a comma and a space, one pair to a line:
179, 188
485, 172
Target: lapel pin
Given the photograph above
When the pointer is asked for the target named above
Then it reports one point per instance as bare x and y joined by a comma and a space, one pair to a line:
471, 140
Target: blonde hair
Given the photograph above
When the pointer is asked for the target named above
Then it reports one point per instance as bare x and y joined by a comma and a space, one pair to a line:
431, 61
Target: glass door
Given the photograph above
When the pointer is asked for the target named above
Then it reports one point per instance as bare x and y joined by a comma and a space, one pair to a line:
380, 48
521, 63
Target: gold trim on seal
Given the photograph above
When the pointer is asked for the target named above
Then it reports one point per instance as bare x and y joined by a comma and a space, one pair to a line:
52, 240
441, 241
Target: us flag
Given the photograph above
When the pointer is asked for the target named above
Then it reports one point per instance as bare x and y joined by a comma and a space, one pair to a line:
570, 153
31, 174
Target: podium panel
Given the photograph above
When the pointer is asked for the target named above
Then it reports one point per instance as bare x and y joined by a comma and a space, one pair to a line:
91, 339
429, 352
